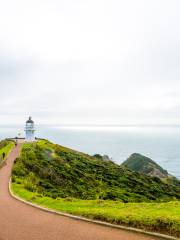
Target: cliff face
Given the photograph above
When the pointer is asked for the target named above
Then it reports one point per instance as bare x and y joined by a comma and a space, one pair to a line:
145, 165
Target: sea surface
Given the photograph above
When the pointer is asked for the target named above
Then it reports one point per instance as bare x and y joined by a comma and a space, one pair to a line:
162, 144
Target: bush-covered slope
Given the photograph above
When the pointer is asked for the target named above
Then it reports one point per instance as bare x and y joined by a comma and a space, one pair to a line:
56, 171
142, 164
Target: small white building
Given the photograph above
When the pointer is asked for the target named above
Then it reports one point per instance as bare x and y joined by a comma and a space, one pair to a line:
29, 130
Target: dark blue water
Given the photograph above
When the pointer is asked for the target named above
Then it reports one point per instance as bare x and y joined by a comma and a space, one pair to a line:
162, 144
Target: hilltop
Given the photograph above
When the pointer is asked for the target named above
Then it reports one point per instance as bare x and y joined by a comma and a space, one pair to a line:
56, 171
145, 165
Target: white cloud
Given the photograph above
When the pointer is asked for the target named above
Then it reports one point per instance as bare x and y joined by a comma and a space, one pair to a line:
90, 61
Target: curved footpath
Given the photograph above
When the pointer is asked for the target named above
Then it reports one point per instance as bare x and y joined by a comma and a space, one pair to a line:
19, 221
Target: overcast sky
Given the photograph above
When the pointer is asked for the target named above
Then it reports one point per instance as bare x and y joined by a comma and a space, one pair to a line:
90, 61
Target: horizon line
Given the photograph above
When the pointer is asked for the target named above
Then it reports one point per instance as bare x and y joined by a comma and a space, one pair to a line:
96, 125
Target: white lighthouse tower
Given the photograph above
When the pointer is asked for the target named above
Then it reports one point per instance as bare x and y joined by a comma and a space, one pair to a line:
29, 130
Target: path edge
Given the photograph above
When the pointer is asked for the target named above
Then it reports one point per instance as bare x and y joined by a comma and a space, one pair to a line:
106, 224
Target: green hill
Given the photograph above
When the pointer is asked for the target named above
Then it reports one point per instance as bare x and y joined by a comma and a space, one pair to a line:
142, 164
5, 147
55, 171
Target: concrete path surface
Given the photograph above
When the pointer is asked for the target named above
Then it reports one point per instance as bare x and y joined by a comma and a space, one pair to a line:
19, 221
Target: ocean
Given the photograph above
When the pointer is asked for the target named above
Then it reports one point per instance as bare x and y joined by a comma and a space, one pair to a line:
162, 144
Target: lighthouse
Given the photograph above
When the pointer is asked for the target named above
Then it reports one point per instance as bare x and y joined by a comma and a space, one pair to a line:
29, 130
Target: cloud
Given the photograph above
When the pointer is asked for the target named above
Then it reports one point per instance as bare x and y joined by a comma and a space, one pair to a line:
90, 61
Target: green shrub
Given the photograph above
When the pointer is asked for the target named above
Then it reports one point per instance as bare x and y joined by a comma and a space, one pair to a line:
56, 171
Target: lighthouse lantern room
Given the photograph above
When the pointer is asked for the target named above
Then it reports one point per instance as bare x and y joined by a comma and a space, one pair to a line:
29, 130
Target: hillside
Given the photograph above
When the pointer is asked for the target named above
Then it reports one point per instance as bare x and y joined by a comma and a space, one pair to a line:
56, 171
144, 165
5, 148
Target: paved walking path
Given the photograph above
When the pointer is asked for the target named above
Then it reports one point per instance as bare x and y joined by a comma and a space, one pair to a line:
19, 221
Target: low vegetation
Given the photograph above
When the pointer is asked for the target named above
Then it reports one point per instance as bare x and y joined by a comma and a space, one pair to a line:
56, 171
5, 148
158, 217
142, 164
66, 180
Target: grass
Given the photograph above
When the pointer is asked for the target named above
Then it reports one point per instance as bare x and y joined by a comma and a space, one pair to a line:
6, 149
158, 217
65, 180
56, 171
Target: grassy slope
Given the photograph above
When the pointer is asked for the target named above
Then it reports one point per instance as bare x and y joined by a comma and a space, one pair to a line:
139, 163
142, 164
56, 171
57, 177
5, 147
159, 217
